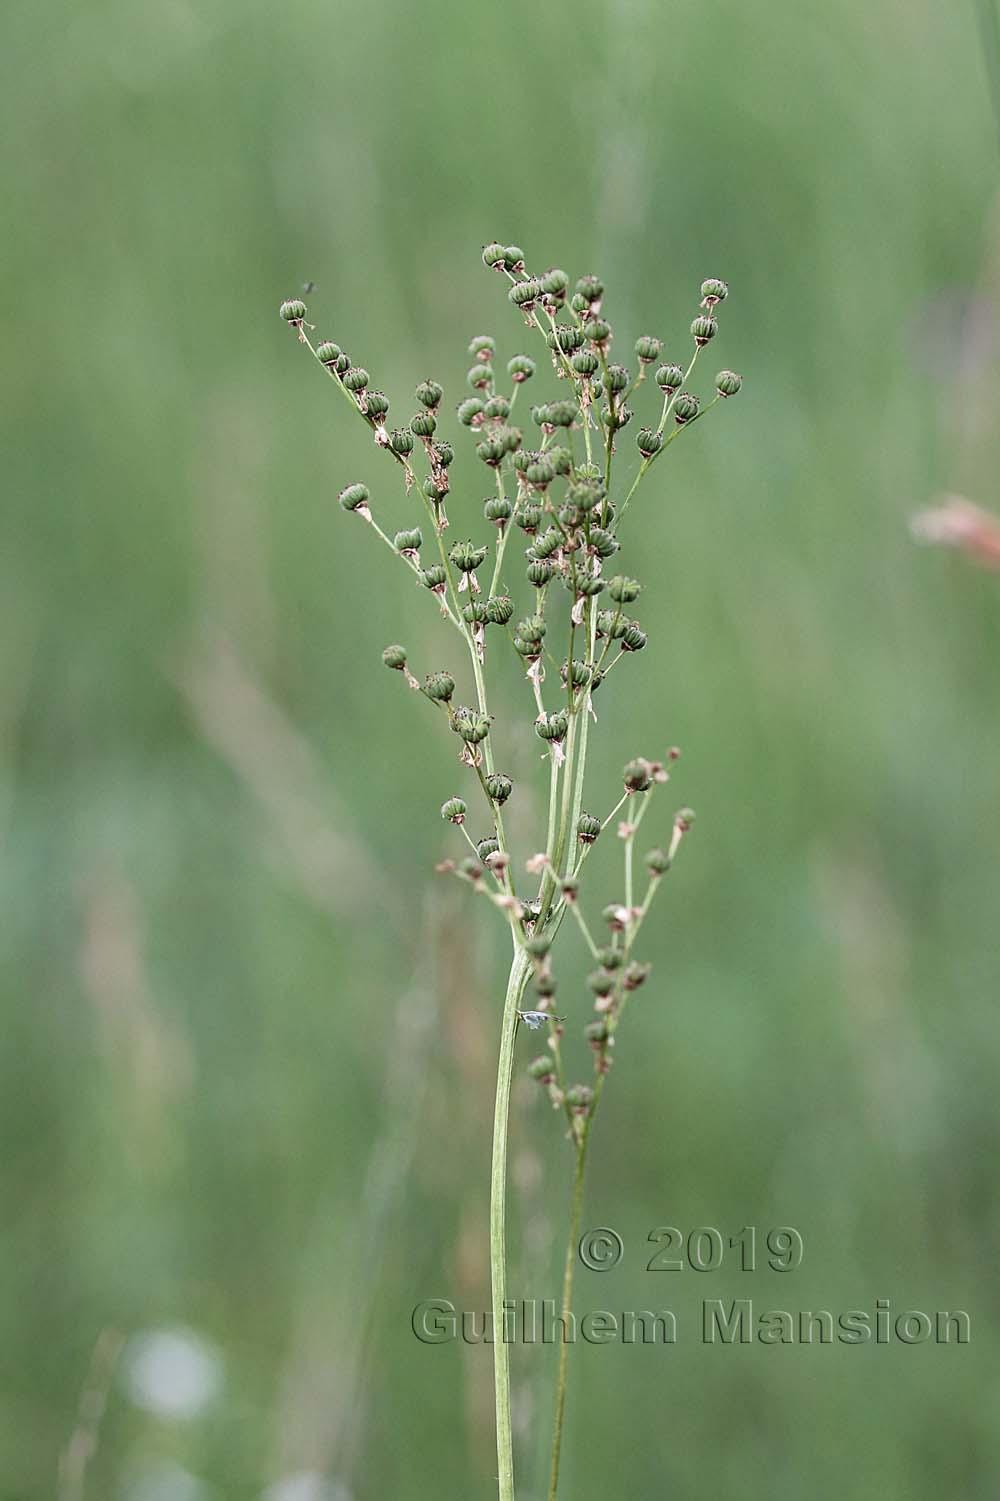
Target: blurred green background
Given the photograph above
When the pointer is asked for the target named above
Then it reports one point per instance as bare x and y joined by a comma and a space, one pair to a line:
248, 1036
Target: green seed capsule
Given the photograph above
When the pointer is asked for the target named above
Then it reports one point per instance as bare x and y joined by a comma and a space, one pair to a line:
520, 368
395, 657
532, 628
439, 687
561, 413
497, 407
539, 947
471, 725
647, 349
491, 452
410, 541
588, 588
527, 517
580, 1097
524, 294
493, 255
590, 288
649, 442
611, 958
727, 382
353, 496
597, 331
479, 377
565, 336
686, 408
713, 290
554, 283
552, 727
376, 403
585, 363
429, 393
498, 786
540, 474
401, 441
547, 544
513, 257
657, 862
293, 311
633, 638
470, 412
624, 590
466, 556
669, 377
637, 776
616, 378
561, 459
328, 353
498, 509
582, 672
587, 828
499, 609
611, 624
542, 1068
540, 571
586, 494
603, 543
356, 379
482, 347
596, 1033
600, 982
474, 613
487, 847
434, 577
423, 425
454, 810
636, 974
703, 329
443, 454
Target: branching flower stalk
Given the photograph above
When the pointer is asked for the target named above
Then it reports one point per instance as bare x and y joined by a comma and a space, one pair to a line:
556, 507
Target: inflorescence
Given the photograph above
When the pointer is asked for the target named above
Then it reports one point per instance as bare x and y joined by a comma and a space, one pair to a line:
549, 537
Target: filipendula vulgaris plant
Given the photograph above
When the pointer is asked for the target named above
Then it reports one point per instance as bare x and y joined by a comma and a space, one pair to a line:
535, 581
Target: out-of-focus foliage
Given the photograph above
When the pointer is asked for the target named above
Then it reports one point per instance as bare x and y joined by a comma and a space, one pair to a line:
248, 1041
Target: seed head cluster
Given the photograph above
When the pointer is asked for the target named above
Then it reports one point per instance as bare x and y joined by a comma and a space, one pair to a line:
538, 577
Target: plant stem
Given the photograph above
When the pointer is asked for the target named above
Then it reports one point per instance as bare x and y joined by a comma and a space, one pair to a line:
519, 970
576, 1208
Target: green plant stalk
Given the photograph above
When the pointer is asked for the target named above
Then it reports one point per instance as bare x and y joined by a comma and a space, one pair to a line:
575, 1212
519, 971
581, 1165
